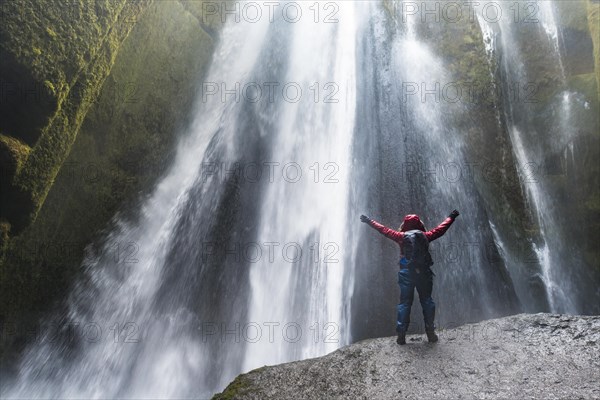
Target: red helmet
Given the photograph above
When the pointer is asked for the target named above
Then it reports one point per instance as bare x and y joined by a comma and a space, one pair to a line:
412, 222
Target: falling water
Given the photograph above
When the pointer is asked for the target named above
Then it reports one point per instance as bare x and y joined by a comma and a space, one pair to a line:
308, 217
426, 136
146, 352
189, 307
171, 310
532, 142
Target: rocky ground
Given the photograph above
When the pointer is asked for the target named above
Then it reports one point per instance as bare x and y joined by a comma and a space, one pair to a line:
541, 356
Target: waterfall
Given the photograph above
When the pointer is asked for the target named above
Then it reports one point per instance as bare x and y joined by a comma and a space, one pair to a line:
305, 217
535, 140
137, 349
423, 170
249, 251
172, 316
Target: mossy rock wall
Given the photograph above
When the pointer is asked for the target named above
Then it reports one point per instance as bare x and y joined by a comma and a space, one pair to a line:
124, 144
488, 147
55, 57
593, 8
572, 170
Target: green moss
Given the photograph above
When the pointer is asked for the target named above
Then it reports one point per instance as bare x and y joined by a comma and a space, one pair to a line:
4, 230
572, 14
586, 85
390, 8
124, 143
50, 86
477, 116
51, 33
239, 387
210, 23
16, 151
593, 203
593, 17
592, 258
461, 46
82, 33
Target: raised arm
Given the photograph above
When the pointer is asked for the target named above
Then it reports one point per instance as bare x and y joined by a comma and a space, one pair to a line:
384, 230
441, 228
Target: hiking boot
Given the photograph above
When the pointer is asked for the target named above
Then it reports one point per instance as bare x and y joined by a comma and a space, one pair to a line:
431, 336
401, 338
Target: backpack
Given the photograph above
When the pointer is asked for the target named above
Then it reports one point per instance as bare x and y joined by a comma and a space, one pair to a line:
415, 248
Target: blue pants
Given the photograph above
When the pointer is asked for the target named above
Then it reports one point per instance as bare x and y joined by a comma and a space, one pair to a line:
423, 282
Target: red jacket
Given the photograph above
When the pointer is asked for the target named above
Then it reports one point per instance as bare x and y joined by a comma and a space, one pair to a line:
412, 222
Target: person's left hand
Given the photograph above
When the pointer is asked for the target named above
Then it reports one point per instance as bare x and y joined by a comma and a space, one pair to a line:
364, 218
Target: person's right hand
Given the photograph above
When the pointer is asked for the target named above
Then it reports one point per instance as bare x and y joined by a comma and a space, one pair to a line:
364, 218
454, 214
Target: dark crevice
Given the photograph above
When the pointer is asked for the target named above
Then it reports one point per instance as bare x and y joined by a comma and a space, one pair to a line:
26, 104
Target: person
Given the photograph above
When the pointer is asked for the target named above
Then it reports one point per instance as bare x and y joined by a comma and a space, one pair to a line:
415, 268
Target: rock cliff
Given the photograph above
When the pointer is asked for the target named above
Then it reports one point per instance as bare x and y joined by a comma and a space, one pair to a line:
94, 94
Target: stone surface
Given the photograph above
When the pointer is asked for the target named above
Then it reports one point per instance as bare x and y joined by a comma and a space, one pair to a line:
542, 356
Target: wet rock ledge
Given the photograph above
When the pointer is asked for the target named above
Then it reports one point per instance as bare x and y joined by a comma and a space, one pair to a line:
541, 356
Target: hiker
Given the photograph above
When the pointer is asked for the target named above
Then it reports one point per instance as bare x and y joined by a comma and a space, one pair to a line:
415, 271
